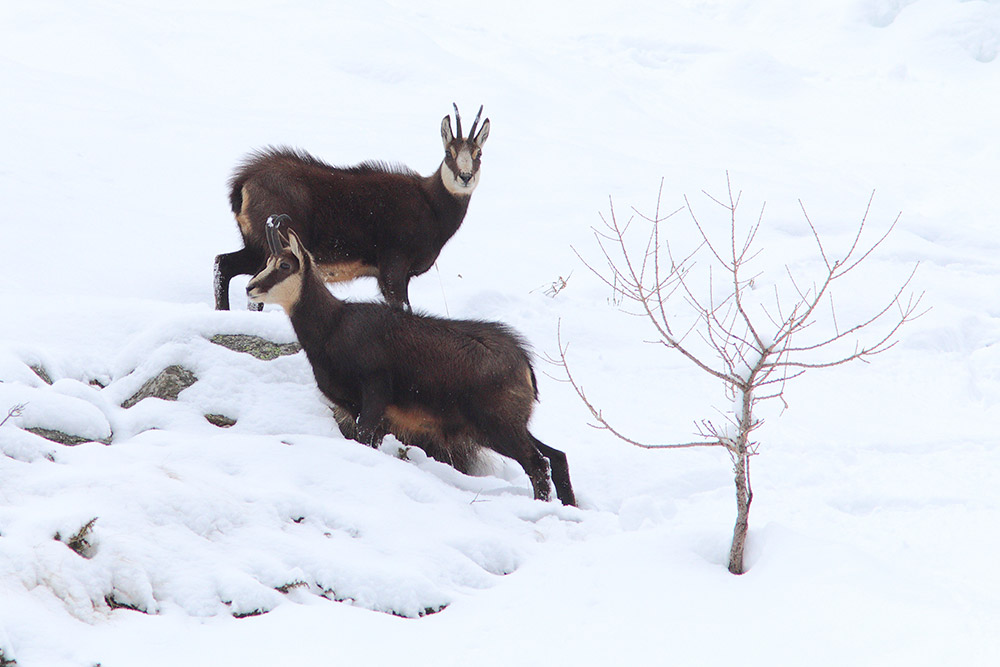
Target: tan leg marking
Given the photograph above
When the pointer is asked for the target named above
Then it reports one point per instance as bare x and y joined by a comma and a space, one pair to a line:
413, 421
338, 272
243, 217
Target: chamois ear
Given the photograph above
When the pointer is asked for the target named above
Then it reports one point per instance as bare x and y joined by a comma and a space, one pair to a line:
484, 132
295, 244
446, 135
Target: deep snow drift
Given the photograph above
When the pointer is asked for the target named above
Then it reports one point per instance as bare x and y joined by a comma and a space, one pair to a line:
275, 541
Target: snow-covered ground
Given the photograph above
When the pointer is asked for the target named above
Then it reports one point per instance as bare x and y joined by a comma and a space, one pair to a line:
873, 529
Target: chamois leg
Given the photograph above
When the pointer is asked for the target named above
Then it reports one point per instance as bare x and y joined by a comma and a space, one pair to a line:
393, 282
374, 401
517, 443
246, 261
560, 472
346, 422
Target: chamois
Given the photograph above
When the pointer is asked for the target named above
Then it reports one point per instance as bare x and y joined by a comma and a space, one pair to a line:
373, 219
446, 386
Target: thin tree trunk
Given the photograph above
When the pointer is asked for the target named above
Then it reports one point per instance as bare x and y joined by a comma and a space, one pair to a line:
741, 467
744, 497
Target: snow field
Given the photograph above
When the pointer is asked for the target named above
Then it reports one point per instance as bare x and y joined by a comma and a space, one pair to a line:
871, 539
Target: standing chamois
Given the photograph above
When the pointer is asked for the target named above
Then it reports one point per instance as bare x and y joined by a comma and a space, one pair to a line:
369, 220
446, 386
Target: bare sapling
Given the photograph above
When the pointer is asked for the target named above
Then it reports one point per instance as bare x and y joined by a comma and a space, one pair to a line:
705, 304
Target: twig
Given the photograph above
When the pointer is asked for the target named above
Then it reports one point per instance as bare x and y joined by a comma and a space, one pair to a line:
14, 411
603, 424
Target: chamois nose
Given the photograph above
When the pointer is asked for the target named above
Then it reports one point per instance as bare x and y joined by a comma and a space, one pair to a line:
465, 178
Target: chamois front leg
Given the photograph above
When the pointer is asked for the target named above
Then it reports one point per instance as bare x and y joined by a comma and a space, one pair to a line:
374, 401
246, 261
393, 282
346, 422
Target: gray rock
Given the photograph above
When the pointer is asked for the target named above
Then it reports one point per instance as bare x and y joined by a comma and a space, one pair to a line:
63, 438
255, 345
42, 373
167, 385
222, 421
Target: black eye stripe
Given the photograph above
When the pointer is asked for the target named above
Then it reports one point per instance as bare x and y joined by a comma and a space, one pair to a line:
267, 282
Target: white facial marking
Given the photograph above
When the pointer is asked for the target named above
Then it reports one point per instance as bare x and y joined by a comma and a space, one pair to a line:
464, 161
453, 182
284, 293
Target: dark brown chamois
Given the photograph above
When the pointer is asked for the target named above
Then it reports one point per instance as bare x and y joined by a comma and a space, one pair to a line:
369, 220
446, 386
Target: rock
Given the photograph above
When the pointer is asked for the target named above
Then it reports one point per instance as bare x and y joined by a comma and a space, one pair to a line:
222, 421
63, 438
167, 385
255, 345
42, 373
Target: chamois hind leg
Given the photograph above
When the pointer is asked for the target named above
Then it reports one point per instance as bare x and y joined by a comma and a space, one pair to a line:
516, 443
560, 472
246, 261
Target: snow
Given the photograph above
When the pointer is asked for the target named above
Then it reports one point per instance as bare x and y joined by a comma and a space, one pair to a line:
276, 541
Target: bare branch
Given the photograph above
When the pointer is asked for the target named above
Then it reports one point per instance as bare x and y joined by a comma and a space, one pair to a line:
13, 411
907, 313
819, 241
845, 267
603, 424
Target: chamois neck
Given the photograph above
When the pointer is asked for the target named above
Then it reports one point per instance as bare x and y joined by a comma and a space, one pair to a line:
449, 206
314, 299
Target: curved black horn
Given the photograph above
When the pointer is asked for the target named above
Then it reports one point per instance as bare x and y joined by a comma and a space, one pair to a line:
472, 130
458, 121
271, 231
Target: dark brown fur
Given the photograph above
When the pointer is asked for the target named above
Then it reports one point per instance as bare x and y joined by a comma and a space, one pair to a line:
446, 386
369, 220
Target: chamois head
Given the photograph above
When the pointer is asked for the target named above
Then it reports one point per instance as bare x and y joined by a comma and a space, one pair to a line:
280, 281
460, 170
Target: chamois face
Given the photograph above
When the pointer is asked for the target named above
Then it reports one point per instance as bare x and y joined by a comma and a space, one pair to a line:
460, 169
280, 281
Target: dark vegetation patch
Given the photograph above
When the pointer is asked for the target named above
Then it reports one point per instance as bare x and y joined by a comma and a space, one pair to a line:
79, 541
